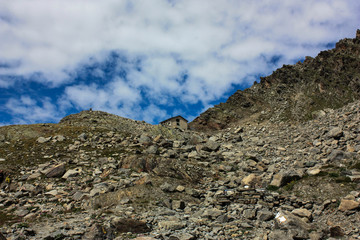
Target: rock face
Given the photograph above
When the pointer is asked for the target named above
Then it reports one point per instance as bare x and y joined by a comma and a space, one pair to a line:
89, 177
293, 92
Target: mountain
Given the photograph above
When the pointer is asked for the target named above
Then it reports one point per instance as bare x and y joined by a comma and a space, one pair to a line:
294, 92
283, 163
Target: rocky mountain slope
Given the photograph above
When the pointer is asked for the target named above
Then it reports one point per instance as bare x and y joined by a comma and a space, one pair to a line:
293, 92
99, 176
279, 181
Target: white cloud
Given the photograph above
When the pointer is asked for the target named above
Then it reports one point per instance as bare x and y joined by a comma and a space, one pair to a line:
158, 73
5, 82
249, 48
51, 37
117, 97
113, 95
153, 113
27, 110
214, 43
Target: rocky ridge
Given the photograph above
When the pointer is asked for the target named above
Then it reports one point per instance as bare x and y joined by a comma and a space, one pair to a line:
103, 120
256, 181
293, 92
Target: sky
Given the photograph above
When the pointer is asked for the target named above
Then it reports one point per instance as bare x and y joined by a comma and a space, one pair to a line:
152, 59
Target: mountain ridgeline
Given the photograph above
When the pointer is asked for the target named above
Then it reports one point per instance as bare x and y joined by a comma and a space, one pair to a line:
293, 92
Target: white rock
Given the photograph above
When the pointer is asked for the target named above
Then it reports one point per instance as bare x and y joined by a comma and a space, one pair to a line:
180, 188
34, 176
301, 212
192, 154
72, 173
171, 225
52, 192
43, 139
313, 172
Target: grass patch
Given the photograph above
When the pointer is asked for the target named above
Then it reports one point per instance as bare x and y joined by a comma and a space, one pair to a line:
343, 179
23, 225
7, 219
272, 188
321, 174
334, 174
290, 185
356, 166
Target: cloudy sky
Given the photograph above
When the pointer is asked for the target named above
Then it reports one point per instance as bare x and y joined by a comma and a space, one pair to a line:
152, 59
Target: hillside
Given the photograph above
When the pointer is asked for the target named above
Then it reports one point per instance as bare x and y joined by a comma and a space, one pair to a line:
274, 169
293, 92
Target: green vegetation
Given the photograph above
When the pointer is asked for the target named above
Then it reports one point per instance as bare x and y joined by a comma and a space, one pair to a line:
23, 225
333, 174
6, 218
356, 166
272, 188
290, 185
343, 179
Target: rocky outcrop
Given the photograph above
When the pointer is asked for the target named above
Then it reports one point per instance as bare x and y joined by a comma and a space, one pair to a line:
293, 92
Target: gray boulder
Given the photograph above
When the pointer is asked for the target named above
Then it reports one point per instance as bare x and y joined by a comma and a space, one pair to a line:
211, 146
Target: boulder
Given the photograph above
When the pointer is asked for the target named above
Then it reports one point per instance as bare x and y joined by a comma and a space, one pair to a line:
178, 204
171, 225
55, 171
167, 187
250, 180
294, 225
99, 188
336, 231
265, 215
144, 139
72, 173
313, 172
124, 225
302, 212
335, 132
346, 205
82, 137
336, 155
285, 177
212, 213
152, 150
211, 146
59, 138
33, 176
43, 139
249, 213
180, 188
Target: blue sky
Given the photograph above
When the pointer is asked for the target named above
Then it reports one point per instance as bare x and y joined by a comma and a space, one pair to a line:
152, 59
